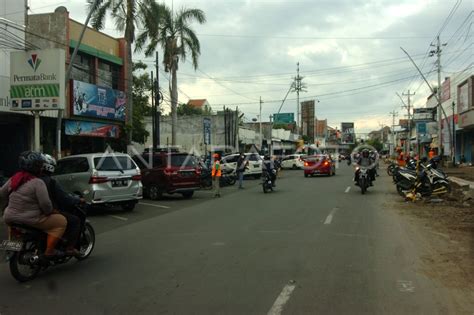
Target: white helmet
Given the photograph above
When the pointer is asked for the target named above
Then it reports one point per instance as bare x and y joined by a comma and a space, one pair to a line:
49, 163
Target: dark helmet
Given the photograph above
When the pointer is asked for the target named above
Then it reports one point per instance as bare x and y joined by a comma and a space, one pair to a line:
266, 157
365, 153
49, 163
31, 162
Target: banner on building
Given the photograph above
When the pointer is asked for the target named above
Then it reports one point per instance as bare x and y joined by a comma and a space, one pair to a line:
37, 79
284, 118
463, 97
307, 118
207, 130
446, 90
91, 129
89, 100
348, 133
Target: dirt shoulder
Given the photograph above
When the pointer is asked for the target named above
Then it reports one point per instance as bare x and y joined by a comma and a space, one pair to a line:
447, 255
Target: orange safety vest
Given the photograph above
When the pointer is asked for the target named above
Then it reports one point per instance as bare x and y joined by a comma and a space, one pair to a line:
431, 154
216, 169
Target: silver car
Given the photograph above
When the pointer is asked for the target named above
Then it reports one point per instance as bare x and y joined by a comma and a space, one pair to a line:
102, 178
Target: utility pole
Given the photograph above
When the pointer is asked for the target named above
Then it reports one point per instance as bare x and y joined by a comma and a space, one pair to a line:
437, 52
392, 147
298, 88
270, 149
408, 107
260, 119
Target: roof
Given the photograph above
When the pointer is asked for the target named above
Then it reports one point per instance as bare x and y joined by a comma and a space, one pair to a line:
197, 103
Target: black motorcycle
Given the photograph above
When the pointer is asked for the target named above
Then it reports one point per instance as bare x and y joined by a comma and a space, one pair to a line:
364, 179
228, 178
268, 181
425, 180
26, 246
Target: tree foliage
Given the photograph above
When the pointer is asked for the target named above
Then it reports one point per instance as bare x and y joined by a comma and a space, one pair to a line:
141, 93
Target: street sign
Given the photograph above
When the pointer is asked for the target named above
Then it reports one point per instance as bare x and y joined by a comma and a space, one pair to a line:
423, 114
207, 130
421, 128
284, 118
37, 79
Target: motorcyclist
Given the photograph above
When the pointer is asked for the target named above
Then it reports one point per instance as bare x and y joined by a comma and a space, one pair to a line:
63, 202
268, 167
365, 160
29, 202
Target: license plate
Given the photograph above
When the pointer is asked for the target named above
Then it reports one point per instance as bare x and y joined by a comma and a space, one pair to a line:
187, 174
119, 183
11, 245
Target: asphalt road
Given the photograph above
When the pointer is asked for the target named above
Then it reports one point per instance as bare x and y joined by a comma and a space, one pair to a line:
314, 246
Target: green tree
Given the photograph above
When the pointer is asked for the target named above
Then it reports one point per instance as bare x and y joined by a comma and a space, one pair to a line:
141, 93
128, 15
187, 110
375, 143
177, 39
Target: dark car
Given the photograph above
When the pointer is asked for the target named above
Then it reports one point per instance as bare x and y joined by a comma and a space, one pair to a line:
320, 164
169, 173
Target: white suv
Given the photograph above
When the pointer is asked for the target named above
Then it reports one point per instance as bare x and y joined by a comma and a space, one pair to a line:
294, 161
254, 167
102, 178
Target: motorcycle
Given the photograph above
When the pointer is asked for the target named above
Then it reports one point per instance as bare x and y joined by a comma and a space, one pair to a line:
426, 181
228, 178
364, 179
26, 245
267, 182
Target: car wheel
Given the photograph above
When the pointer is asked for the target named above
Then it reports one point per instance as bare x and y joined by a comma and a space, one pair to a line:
188, 194
154, 193
295, 167
257, 176
306, 175
129, 206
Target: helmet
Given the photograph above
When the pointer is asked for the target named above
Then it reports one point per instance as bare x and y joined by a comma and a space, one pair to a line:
31, 162
365, 153
266, 157
216, 155
49, 163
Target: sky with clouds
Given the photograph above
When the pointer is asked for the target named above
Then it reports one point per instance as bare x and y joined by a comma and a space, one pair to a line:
348, 50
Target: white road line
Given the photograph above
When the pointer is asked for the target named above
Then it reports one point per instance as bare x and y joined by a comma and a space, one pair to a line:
153, 205
281, 300
329, 218
117, 217
347, 189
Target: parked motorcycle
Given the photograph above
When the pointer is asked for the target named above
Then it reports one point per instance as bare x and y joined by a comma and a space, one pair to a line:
425, 180
26, 246
228, 178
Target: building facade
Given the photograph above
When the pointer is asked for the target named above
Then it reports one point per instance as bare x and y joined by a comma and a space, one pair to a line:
94, 109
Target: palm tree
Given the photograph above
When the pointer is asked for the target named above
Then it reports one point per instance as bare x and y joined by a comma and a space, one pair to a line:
128, 16
177, 39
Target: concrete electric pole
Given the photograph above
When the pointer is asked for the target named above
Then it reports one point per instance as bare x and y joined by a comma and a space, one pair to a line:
408, 107
260, 120
392, 147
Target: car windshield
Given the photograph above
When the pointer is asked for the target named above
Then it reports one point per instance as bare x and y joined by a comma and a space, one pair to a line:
114, 163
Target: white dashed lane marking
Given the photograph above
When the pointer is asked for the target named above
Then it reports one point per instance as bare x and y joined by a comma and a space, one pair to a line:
281, 300
330, 216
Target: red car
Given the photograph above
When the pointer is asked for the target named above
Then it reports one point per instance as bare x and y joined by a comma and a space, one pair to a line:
320, 164
169, 173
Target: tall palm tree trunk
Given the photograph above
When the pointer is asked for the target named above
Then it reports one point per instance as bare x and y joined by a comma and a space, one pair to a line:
174, 104
130, 89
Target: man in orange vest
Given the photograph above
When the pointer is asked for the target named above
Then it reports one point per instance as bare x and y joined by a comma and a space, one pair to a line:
216, 173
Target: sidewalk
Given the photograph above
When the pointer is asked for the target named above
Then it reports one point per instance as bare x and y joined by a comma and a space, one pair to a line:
462, 175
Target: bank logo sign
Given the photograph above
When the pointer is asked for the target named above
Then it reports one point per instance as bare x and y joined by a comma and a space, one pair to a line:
37, 83
34, 61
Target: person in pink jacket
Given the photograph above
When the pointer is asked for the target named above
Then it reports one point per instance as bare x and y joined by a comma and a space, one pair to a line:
29, 202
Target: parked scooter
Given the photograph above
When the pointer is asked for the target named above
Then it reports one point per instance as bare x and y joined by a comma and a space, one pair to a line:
424, 180
26, 246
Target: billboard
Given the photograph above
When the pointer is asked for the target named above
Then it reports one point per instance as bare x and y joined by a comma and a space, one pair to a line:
423, 114
446, 90
348, 133
91, 129
284, 118
307, 118
89, 100
37, 79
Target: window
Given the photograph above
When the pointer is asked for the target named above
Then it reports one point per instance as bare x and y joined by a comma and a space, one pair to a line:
72, 165
181, 160
114, 163
108, 75
230, 159
254, 157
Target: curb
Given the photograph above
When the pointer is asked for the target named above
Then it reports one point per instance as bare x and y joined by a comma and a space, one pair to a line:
461, 182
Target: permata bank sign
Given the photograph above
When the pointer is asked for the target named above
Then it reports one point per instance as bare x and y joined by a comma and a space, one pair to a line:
37, 79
